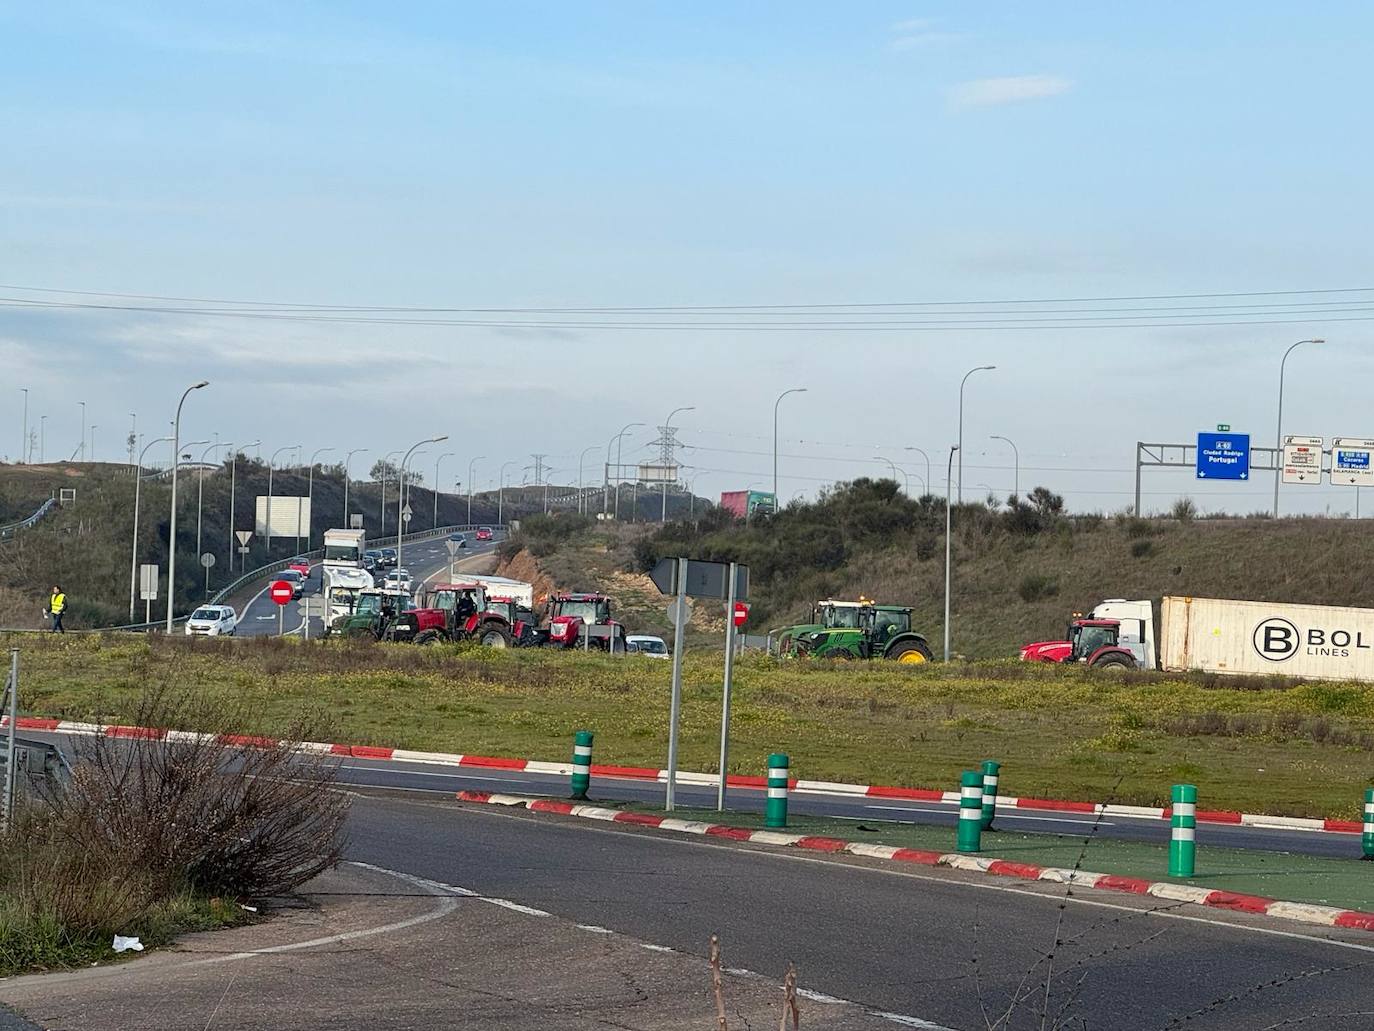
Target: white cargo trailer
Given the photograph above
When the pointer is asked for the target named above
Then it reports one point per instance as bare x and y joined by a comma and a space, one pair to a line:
1220, 636
519, 591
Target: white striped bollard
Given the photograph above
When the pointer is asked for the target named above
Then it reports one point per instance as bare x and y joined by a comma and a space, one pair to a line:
581, 763
1367, 838
968, 838
775, 809
1183, 831
990, 772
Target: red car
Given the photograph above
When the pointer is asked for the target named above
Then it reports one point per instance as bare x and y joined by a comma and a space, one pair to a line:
483, 533
301, 566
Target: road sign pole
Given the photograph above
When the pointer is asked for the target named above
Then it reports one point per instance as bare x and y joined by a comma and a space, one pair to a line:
281, 620
725, 697
147, 610
679, 628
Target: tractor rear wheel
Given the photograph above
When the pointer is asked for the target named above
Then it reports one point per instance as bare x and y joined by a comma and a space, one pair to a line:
429, 636
1114, 663
910, 653
494, 637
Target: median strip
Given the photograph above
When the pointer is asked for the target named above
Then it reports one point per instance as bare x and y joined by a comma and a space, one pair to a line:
1192, 894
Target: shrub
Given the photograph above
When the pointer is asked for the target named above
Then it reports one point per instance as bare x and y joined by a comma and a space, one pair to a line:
1137, 527
1142, 548
1035, 586
1184, 510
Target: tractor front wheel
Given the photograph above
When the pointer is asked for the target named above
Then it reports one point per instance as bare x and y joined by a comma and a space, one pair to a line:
428, 636
494, 637
910, 653
1114, 664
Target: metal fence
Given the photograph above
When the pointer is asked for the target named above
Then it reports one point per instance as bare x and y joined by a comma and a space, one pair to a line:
9, 530
261, 573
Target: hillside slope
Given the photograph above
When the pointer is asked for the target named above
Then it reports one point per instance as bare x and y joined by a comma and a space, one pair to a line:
1018, 574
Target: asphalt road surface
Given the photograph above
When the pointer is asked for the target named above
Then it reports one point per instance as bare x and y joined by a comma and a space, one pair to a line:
421, 778
930, 949
426, 561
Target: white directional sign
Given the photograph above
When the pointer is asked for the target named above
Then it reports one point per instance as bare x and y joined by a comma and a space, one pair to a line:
1350, 462
147, 582
1302, 460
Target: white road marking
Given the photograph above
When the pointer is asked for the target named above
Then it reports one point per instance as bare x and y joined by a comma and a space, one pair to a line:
950, 810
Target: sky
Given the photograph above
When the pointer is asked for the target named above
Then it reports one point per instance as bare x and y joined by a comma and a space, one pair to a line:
1199, 171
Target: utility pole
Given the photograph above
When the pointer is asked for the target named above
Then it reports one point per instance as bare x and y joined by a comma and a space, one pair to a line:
667, 448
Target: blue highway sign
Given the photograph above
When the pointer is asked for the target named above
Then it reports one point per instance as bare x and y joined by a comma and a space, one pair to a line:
1223, 456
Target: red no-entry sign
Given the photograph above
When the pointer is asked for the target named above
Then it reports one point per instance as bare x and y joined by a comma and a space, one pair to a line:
281, 591
741, 613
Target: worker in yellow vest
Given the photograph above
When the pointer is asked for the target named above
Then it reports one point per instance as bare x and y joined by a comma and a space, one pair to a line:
57, 604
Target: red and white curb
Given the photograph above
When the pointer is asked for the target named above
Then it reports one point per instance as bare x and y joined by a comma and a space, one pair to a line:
815, 787
1303, 912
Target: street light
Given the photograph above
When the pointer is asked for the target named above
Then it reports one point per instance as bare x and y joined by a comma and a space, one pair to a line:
138, 484
172, 536
794, 390
91, 457
471, 474
347, 458
446, 454
310, 498
233, 484
580, 488
981, 368
667, 435
267, 516
200, 489
619, 440
895, 470
927, 458
501, 494
1016, 484
401, 494
949, 469
1278, 456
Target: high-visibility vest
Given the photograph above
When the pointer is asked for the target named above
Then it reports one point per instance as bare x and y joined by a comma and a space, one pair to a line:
59, 602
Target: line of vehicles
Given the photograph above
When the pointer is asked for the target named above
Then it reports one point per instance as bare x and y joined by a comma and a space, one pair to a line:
495, 611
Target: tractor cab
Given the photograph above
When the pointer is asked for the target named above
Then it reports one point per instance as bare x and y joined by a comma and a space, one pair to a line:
459, 601
586, 616
374, 614
1096, 642
841, 615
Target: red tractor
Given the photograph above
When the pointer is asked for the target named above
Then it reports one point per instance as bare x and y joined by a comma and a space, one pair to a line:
584, 621
502, 624
443, 614
1093, 642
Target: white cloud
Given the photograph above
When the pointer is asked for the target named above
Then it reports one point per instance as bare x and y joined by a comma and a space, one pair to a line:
1010, 89
919, 32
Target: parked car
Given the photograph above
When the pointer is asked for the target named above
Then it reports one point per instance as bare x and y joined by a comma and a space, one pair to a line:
483, 533
294, 578
642, 644
301, 566
460, 539
212, 621
398, 580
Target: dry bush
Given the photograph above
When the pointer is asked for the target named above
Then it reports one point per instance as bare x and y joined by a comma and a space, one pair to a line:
213, 813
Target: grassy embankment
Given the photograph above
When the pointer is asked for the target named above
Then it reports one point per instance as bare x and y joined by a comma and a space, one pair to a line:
1250, 744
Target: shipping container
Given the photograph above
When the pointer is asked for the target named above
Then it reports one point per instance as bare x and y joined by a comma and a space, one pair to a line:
1313, 641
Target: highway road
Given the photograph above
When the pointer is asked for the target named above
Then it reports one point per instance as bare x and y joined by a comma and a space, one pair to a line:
418, 777
931, 949
427, 560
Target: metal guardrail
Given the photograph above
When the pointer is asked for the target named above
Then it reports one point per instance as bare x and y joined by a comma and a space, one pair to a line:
261, 573
10, 529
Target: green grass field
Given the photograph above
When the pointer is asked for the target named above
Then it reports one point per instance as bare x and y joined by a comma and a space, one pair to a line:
1249, 744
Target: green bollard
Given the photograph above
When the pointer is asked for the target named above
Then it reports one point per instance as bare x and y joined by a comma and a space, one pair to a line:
970, 811
990, 770
775, 809
1367, 839
1183, 831
581, 763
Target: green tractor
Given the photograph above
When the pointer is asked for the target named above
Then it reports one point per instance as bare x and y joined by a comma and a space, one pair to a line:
856, 630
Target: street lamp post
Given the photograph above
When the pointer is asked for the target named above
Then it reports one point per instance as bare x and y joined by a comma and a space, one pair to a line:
667, 435
471, 480
1016, 484
1278, 432
347, 458
949, 554
794, 390
960, 448
310, 499
138, 485
233, 487
401, 494
200, 489
446, 454
581, 508
172, 536
619, 441
895, 470
267, 516
501, 494
927, 458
